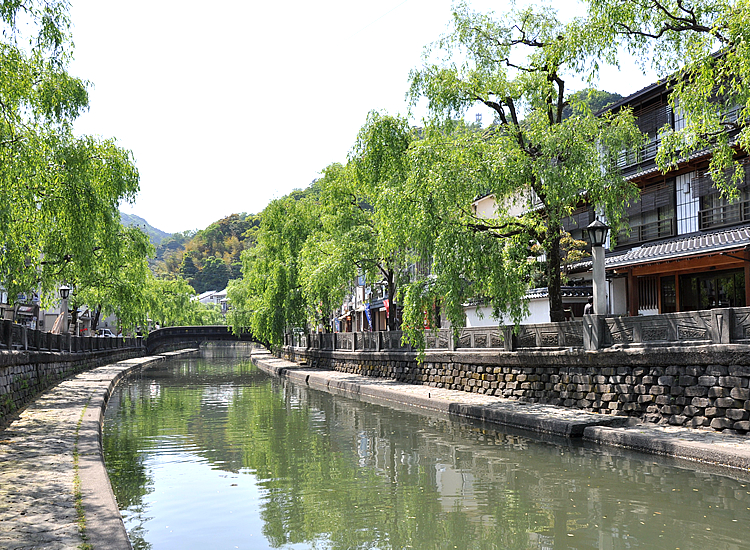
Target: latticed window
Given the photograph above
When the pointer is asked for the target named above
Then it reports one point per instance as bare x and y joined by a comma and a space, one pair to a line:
717, 211
652, 216
650, 119
648, 293
576, 223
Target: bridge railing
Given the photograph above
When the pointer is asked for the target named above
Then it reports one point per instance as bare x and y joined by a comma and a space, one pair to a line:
18, 337
192, 335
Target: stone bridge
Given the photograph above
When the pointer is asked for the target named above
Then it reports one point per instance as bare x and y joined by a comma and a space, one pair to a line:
171, 338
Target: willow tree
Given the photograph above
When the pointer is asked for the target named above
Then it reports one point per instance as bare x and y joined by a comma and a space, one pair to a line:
537, 163
269, 298
59, 192
701, 49
358, 204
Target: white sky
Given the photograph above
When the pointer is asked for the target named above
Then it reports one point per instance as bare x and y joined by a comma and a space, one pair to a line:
229, 105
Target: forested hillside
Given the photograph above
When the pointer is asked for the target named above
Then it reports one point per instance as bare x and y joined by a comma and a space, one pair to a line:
156, 235
207, 259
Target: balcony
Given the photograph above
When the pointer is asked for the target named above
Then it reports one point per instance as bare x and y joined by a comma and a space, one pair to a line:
729, 214
660, 229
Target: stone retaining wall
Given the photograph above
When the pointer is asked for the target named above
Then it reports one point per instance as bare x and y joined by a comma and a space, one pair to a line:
25, 374
695, 386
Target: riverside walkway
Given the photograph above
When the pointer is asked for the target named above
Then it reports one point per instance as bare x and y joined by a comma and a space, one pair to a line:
54, 489
53, 480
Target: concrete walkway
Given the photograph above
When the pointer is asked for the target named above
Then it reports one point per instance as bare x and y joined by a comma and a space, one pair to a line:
703, 446
52, 471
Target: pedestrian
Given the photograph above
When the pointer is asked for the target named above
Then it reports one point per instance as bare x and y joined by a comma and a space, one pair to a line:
588, 309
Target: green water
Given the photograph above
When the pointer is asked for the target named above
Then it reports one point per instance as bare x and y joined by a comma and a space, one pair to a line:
214, 454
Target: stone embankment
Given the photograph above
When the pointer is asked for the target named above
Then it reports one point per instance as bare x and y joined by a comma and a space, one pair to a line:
54, 489
694, 386
26, 373
728, 450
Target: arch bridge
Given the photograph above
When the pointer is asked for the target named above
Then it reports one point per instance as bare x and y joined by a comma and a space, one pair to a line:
171, 338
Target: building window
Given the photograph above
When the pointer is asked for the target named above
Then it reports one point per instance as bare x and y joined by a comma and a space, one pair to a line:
648, 295
576, 223
668, 294
710, 290
652, 216
650, 118
717, 211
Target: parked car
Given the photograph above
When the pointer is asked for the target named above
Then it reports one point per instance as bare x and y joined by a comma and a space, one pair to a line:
105, 333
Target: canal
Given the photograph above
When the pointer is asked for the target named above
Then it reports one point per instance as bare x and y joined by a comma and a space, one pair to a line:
213, 453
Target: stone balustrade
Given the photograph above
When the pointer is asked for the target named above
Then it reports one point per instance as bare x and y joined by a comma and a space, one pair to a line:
17, 337
716, 326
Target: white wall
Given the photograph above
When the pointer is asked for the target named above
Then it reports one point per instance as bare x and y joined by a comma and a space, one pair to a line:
618, 296
538, 313
485, 207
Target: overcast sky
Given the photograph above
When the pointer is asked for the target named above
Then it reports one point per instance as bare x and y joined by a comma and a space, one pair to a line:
229, 105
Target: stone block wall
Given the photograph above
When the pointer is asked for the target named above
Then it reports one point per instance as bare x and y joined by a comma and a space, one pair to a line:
25, 374
695, 386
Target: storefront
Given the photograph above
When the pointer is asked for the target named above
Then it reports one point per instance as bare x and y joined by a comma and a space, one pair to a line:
694, 273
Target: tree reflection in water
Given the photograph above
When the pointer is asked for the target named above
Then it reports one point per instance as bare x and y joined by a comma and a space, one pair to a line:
330, 472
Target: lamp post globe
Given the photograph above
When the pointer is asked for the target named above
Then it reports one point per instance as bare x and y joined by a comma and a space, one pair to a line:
64, 293
596, 232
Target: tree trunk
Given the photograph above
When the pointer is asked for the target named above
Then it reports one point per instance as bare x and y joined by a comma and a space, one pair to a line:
95, 319
73, 318
391, 280
554, 278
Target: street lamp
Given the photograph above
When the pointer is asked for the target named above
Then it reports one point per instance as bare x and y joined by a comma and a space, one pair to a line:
64, 293
597, 236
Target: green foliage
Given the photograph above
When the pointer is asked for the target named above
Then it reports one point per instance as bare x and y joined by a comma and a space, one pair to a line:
116, 281
357, 236
595, 100
702, 50
171, 302
537, 163
269, 298
59, 192
214, 276
194, 255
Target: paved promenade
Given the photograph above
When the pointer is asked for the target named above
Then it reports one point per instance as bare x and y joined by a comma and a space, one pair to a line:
52, 473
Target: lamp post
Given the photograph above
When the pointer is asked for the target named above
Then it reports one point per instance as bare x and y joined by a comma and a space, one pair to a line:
597, 235
64, 293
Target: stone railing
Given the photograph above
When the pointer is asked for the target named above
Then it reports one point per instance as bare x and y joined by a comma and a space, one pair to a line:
717, 326
348, 341
18, 337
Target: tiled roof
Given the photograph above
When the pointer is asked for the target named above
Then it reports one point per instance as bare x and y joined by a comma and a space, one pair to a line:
566, 292
706, 243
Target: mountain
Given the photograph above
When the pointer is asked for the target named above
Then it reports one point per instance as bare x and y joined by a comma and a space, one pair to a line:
210, 257
156, 235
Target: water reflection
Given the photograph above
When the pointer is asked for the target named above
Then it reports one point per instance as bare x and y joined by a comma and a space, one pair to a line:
218, 455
